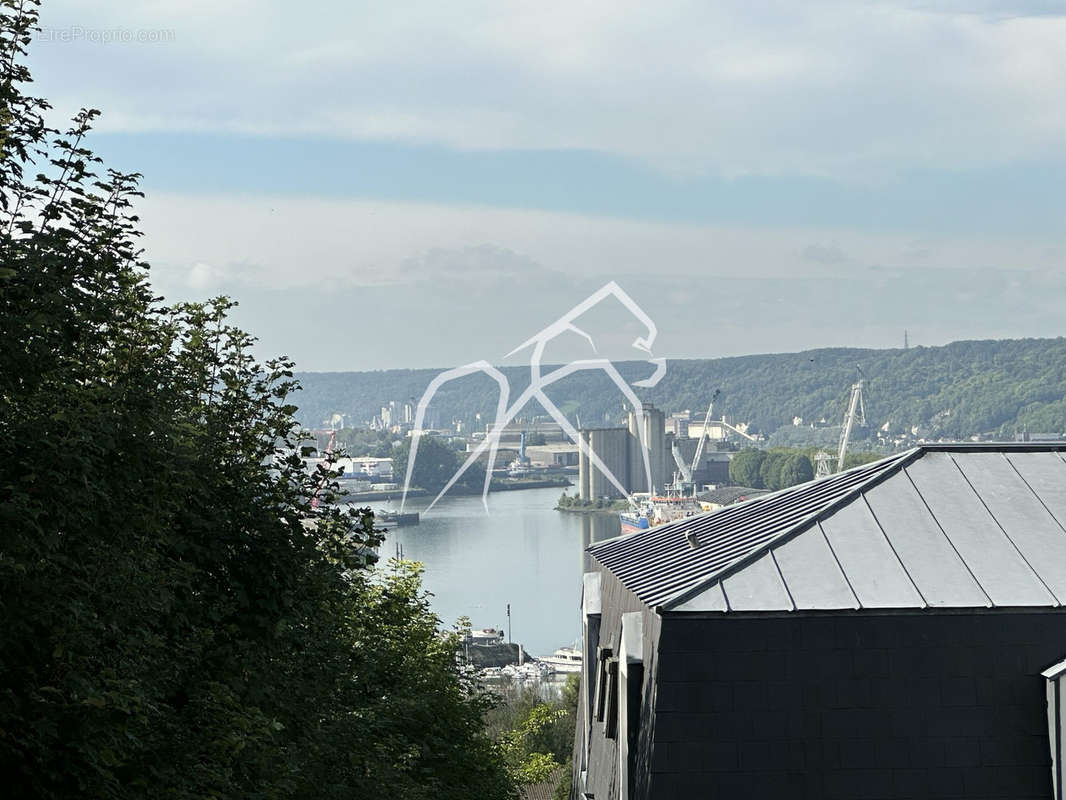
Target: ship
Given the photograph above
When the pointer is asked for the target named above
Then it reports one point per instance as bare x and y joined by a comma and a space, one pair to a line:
397, 518
658, 511
565, 659
635, 519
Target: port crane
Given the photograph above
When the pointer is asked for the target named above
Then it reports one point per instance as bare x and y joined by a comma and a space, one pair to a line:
686, 471
856, 413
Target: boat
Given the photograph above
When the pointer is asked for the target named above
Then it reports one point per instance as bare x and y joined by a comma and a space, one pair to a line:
396, 518
565, 659
634, 520
658, 511
531, 671
671, 509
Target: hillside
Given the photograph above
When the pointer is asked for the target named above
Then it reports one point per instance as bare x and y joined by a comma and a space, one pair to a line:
953, 391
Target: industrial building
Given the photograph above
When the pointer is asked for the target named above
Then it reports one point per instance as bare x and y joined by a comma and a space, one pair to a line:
557, 454
664, 448
622, 452
895, 630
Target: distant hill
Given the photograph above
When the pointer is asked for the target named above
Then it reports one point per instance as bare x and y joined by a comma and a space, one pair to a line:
953, 391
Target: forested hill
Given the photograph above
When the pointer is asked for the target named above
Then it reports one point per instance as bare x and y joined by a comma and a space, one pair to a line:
953, 391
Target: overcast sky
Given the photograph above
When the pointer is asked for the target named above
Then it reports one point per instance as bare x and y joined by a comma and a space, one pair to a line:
426, 184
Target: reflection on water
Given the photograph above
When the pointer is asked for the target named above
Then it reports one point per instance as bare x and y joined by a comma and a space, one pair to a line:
522, 552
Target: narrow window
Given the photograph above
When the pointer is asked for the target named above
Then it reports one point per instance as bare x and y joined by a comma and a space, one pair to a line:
610, 711
604, 656
590, 662
630, 699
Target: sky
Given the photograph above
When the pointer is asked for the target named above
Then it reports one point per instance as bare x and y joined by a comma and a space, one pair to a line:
413, 184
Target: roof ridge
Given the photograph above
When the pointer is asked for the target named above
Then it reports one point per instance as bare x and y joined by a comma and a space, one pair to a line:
891, 465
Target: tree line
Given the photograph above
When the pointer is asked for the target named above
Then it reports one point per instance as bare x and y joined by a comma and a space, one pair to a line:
954, 391
780, 468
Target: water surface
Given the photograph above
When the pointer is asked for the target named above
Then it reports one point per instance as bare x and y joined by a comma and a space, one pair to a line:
522, 552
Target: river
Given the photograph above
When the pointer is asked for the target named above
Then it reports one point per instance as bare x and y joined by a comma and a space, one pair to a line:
522, 552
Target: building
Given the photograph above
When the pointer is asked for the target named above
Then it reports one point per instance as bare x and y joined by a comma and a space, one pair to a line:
622, 451
650, 429
611, 446
369, 466
553, 455
879, 633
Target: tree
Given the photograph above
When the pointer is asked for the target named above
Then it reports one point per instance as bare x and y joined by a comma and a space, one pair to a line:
770, 469
179, 618
744, 468
857, 457
537, 737
435, 464
797, 468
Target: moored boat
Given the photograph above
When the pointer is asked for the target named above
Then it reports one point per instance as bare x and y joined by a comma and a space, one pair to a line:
565, 659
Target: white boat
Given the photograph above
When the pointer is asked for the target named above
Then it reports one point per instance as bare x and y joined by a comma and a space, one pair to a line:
530, 671
565, 659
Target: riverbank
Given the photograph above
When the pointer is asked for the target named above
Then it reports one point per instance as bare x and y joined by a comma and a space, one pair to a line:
511, 484
497, 485
614, 508
390, 494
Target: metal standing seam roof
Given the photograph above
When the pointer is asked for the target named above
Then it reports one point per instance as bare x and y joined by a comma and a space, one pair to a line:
958, 526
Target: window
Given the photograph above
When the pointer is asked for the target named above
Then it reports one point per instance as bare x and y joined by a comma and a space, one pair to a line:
603, 657
630, 694
590, 613
610, 705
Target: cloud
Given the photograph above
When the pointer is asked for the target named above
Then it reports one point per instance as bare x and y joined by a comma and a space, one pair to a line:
824, 254
204, 276
828, 87
472, 268
198, 241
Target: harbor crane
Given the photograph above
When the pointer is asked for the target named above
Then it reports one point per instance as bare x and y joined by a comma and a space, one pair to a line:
703, 431
856, 413
686, 471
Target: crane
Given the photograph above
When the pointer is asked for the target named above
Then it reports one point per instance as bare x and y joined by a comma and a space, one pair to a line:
856, 413
703, 432
683, 474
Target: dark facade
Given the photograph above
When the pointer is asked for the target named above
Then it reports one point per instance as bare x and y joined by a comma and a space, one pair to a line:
932, 705
877, 634
911, 705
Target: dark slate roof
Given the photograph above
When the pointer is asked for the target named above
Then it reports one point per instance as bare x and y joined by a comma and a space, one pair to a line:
941, 525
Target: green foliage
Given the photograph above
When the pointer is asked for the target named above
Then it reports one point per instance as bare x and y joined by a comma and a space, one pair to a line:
777, 468
364, 442
770, 470
745, 468
796, 469
856, 457
954, 391
435, 464
536, 737
177, 619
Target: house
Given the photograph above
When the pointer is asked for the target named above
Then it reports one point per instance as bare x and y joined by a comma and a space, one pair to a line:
879, 633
